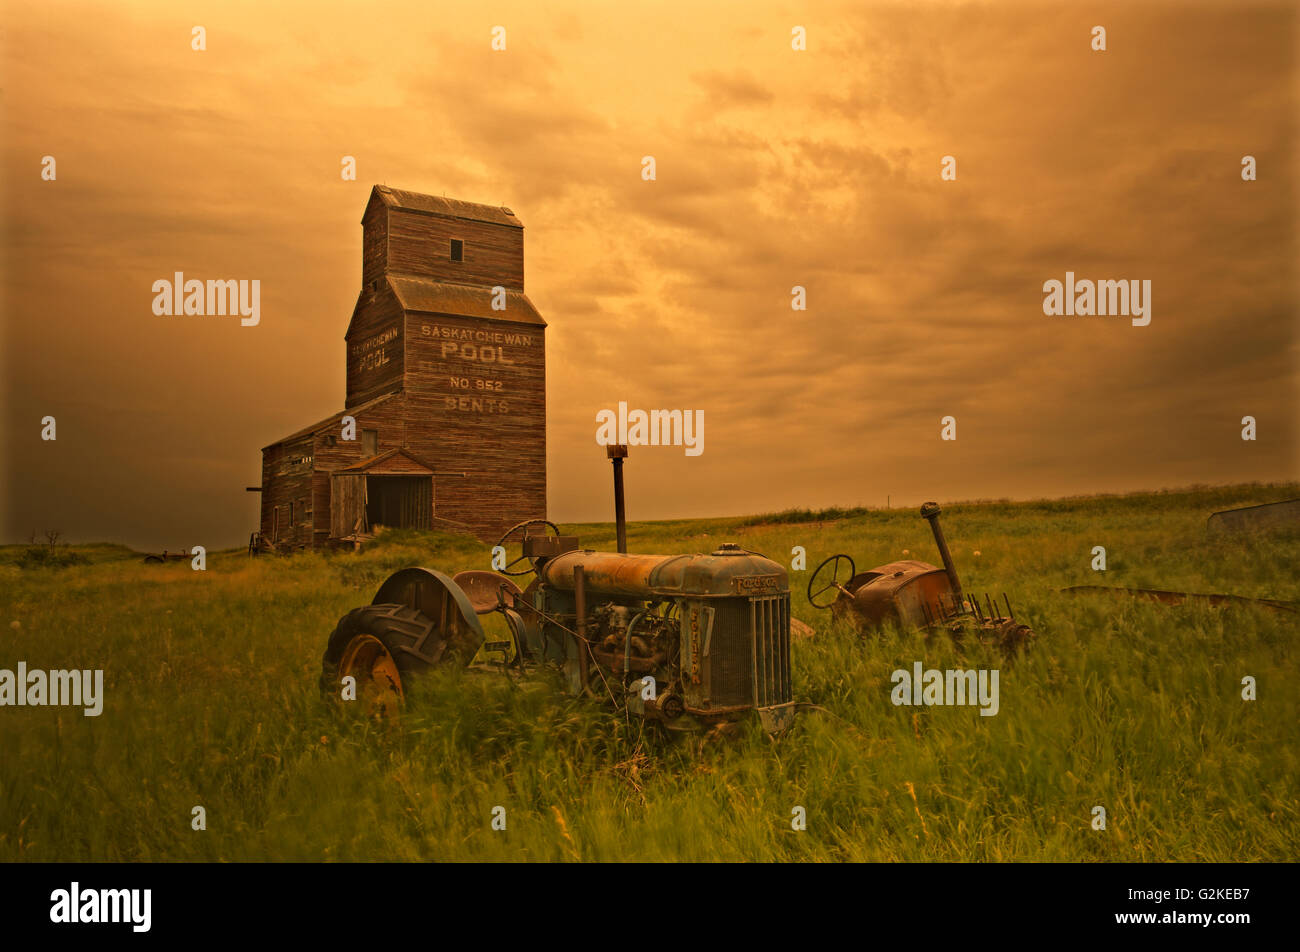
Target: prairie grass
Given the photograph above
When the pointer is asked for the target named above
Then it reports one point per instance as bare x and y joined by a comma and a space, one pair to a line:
212, 700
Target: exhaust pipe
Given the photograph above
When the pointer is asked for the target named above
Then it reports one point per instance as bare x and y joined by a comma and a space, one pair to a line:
930, 512
616, 456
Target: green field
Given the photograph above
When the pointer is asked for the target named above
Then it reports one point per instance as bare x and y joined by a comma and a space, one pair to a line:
212, 700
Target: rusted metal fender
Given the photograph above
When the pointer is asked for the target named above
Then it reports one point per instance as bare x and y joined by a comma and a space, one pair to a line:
907, 591
436, 595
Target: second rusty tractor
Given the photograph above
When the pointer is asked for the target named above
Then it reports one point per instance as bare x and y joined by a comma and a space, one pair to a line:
914, 594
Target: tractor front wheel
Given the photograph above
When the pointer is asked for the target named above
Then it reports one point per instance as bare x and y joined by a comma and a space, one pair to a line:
382, 647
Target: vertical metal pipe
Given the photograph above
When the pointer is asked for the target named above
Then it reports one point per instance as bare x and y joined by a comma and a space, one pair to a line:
616, 456
930, 512
620, 509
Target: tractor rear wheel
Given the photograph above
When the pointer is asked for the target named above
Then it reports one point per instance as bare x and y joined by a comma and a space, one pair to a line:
382, 647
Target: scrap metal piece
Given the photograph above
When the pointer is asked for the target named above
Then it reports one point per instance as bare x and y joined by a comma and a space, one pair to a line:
1272, 515
1177, 598
777, 718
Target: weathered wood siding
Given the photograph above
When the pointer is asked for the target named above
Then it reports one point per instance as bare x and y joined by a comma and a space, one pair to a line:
287, 479
374, 243
420, 244
397, 466
348, 510
375, 353
387, 419
479, 406
422, 502
321, 506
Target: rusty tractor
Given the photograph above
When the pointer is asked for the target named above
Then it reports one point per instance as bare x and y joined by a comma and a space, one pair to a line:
689, 641
913, 594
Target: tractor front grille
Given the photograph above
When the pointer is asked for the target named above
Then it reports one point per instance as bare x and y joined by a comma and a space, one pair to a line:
748, 652
730, 656
769, 624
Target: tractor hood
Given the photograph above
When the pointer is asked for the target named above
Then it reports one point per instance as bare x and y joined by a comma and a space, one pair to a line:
728, 570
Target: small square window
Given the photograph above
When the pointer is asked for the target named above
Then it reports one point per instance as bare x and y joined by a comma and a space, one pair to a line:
457, 250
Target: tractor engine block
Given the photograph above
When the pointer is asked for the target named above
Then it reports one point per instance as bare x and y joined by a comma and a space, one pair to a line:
689, 640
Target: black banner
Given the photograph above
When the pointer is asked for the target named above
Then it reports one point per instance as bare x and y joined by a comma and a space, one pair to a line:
119, 902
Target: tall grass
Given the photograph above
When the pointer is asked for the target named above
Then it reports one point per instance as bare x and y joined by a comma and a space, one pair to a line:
211, 700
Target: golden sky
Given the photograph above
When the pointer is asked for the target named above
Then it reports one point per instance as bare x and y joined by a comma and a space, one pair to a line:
775, 168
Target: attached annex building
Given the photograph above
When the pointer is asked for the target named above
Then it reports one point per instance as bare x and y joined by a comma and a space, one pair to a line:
446, 383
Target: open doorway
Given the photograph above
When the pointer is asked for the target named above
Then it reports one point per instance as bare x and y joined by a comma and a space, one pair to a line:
400, 502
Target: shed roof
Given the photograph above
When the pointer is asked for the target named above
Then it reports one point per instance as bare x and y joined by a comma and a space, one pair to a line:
384, 462
443, 207
330, 421
436, 297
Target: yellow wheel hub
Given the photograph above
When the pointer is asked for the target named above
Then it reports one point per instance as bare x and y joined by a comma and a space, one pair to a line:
379, 684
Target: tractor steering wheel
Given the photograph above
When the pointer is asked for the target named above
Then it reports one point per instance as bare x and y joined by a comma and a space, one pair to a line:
834, 583
522, 528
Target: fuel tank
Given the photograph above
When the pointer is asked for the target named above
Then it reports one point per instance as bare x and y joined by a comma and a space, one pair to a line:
728, 570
